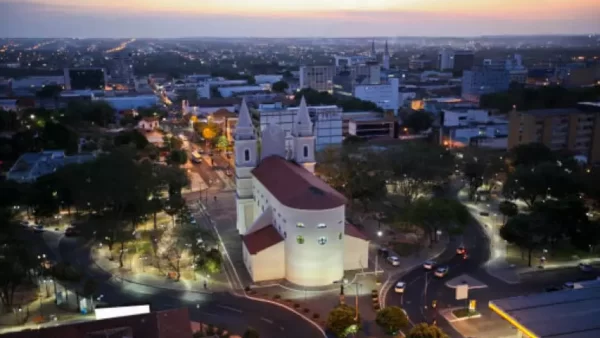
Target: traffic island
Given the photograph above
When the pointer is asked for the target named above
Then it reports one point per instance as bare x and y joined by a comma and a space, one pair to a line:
460, 314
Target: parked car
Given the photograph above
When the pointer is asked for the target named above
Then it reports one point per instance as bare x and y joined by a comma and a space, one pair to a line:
484, 213
441, 271
383, 252
569, 285
461, 250
38, 228
400, 286
429, 265
395, 261
586, 267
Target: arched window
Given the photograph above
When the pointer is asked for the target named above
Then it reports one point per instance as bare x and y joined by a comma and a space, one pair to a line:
247, 155
305, 151
322, 240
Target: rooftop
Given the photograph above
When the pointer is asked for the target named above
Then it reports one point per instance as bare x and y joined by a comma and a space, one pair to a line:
561, 314
295, 187
261, 239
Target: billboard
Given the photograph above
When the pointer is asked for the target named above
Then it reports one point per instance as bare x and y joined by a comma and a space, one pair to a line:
121, 311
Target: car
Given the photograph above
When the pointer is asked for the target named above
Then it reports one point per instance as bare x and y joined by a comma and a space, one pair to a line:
429, 265
400, 286
461, 250
441, 271
71, 231
38, 228
569, 285
484, 213
395, 261
385, 253
586, 267
24, 224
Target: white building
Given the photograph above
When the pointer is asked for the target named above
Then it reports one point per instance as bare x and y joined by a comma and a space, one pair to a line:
148, 123
293, 224
385, 96
446, 59
231, 91
326, 121
267, 78
341, 60
319, 78
203, 90
474, 126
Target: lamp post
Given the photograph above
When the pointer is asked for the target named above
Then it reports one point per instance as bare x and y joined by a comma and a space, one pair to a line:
379, 234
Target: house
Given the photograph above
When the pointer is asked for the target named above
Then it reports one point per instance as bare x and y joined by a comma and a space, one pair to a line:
148, 123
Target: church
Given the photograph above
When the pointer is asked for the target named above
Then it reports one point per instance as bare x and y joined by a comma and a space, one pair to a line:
293, 224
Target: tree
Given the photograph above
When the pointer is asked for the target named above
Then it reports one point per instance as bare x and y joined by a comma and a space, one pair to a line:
131, 137
524, 231
208, 130
208, 134
531, 155
222, 143
172, 142
392, 319
280, 86
437, 214
508, 209
210, 262
178, 157
251, 333
342, 321
425, 330
418, 121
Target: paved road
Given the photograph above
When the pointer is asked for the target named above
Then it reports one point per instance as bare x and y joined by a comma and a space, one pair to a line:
231, 312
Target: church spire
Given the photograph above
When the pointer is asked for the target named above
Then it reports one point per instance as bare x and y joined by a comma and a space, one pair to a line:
302, 123
244, 128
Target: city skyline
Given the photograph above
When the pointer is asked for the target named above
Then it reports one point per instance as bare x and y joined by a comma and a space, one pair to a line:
310, 18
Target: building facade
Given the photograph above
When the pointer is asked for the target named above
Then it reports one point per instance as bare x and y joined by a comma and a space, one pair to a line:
575, 129
385, 96
120, 69
297, 230
326, 121
484, 80
319, 78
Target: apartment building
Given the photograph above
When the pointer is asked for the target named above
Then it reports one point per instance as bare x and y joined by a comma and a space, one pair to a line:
385, 96
319, 78
484, 80
576, 129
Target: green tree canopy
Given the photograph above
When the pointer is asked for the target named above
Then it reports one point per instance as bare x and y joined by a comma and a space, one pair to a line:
508, 209
418, 121
425, 330
280, 86
392, 319
342, 321
178, 157
433, 214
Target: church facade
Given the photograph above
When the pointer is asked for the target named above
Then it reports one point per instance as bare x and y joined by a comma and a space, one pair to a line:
293, 223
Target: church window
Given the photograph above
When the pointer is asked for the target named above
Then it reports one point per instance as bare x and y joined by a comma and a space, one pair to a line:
247, 155
299, 225
305, 151
322, 240
340, 236
322, 225
300, 239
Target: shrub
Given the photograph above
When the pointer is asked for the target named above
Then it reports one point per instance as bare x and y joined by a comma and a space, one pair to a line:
296, 305
316, 316
306, 310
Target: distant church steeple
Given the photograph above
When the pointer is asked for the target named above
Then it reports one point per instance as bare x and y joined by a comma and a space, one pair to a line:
386, 57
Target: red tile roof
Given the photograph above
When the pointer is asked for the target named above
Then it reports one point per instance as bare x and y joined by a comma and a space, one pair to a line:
295, 187
258, 241
353, 231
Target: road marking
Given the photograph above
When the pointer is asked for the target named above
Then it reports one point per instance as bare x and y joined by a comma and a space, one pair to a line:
230, 308
266, 320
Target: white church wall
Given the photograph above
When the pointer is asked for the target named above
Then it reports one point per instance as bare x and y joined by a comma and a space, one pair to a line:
245, 214
268, 264
356, 253
308, 262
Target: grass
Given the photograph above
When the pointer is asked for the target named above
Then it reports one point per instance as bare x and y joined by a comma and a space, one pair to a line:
557, 255
464, 312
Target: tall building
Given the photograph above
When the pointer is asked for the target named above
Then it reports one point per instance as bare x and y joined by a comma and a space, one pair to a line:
120, 69
482, 80
326, 121
576, 129
386, 96
319, 78
386, 57
373, 51
85, 78
293, 223
454, 60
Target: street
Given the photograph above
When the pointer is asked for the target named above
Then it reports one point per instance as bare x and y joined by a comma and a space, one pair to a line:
221, 309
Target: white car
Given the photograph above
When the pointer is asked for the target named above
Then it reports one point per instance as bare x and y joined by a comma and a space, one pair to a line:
461, 250
395, 261
441, 271
429, 265
400, 286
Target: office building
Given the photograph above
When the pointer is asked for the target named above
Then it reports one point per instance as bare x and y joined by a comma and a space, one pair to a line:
293, 224
576, 129
482, 80
419, 62
241, 90
326, 121
341, 60
348, 77
369, 125
386, 57
456, 61
267, 78
464, 127
319, 78
385, 96
120, 69
85, 78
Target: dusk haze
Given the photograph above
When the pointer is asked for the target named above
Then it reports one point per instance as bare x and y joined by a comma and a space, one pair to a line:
308, 18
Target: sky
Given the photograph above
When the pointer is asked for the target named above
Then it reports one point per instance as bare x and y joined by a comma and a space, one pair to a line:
300, 18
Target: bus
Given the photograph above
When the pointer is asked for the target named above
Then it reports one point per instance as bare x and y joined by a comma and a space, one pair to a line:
196, 157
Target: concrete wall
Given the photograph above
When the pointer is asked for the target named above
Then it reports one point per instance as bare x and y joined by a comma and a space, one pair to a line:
268, 264
356, 253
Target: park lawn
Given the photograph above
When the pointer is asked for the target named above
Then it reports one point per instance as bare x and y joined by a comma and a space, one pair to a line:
464, 312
